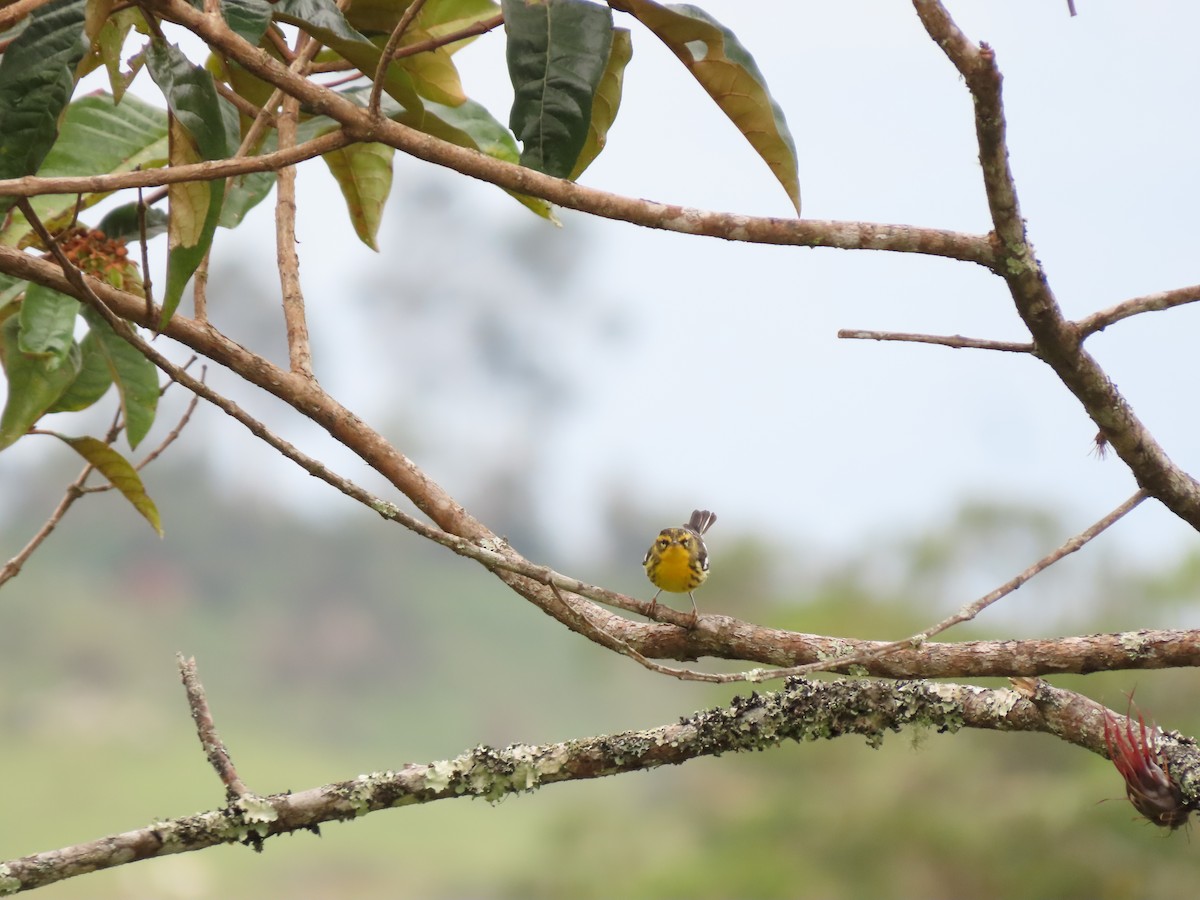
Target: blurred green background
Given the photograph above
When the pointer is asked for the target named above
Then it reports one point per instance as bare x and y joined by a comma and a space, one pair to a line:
344, 646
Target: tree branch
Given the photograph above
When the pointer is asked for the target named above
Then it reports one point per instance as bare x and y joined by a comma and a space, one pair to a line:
389, 49
685, 220
295, 323
1149, 303
1058, 342
34, 186
802, 711
206, 729
957, 341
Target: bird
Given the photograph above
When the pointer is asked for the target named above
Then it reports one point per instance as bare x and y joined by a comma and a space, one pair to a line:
677, 561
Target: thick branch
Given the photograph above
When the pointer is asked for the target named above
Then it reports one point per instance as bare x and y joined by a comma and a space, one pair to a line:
803, 711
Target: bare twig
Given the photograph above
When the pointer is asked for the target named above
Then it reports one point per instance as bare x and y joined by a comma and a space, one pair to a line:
445, 40
474, 30
147, 279
298, 65
206, 730
844, 663
244, 106
299, 349
385, 58
74, 491
1098, 321
957, 341
33, 186
14, 12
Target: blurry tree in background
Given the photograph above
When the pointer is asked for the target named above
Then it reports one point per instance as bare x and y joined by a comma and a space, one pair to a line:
283, 83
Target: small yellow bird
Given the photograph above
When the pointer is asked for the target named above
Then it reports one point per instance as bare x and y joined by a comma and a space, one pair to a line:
677, 561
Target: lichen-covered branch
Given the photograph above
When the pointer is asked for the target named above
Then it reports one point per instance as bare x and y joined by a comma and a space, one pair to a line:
802, 711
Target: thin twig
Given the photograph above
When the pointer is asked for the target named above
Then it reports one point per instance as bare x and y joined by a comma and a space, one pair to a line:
244, 106
73, 492
158, 451
445, 40
1149, 303
200, 289
34, 186
299, 64
385, 58
206, 730
956, 341
971, 610
147, 280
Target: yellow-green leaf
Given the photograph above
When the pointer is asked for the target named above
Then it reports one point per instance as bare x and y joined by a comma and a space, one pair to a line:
727, 71
364, 173
607, 100
116, 468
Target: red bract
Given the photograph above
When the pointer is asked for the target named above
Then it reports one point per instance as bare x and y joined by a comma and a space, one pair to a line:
1135, 753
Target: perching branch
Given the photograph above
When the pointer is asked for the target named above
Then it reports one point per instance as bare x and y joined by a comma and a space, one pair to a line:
714, 635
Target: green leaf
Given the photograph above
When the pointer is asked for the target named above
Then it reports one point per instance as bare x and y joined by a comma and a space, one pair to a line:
243, 193
122, 224
33, 384
92, 382
467, 125
433, 73
247, 18
135, 376
120, 474
441, 17
37, 76
47, 324
557, 52
98, 137
110, 43
364, 173
607, 102
324, 21
727, 71
10, 289
200, 130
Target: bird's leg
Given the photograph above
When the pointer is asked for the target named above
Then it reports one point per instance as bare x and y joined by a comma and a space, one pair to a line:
650, 613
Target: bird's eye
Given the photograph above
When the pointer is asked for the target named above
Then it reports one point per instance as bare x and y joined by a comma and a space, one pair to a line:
664, 543
685, 540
